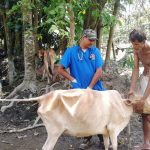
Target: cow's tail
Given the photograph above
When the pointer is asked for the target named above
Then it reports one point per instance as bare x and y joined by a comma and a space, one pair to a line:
21, 100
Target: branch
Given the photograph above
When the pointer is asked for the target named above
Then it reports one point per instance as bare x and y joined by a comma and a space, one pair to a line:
21, 130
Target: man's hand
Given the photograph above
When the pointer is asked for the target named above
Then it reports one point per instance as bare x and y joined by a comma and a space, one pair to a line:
74, 81
130, 94
75, 84
89, 88
138, 106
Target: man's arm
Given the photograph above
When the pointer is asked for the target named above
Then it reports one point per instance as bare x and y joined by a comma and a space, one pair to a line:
98, 74
147, 91
135, 74
139, 105
96, 77
63, 72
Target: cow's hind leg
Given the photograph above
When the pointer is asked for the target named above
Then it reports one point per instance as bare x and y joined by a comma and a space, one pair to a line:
106, 141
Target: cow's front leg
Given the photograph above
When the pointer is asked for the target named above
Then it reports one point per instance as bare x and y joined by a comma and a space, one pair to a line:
113, 137
53, 135
44, 72
106, 141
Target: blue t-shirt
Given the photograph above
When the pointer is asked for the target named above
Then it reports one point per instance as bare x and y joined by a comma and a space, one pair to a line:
83, 65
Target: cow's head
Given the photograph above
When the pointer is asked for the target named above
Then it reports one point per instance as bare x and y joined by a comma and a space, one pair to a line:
41, 54
135, 101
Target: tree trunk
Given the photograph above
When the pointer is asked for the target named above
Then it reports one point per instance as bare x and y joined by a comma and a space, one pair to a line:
29, 51
90, 21
72, 24
35, 23
29, 43
113, 48
99, 35
62, 45
95, 22
111, 33
11, 68
17, 46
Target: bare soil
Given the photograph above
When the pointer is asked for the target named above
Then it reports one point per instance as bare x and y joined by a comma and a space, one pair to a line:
35, 138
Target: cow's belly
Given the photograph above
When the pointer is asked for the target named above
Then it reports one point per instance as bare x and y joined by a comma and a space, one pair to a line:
84, 133
81, 130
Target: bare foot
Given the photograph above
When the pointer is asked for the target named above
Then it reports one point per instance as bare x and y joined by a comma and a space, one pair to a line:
142, 147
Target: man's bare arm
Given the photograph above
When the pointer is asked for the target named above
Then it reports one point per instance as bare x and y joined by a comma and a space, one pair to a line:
64, 73
147, 91
96, 77
135, 74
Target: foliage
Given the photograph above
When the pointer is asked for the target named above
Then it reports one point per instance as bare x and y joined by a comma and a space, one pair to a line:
57, 17
136, 16
54, 22
108, 19
13, 15
54, 18
128, 61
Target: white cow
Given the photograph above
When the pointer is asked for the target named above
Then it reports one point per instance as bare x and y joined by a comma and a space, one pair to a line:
82, 113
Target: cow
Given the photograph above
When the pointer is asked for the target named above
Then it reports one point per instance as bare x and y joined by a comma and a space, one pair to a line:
47, 57
83, 112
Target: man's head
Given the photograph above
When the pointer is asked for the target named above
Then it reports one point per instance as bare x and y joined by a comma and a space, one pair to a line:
137, 38
90, 34
88, 38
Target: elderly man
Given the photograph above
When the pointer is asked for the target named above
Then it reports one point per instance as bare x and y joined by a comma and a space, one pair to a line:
85, 64
142, 54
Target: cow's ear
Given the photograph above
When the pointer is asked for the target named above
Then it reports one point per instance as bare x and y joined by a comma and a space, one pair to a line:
128, 102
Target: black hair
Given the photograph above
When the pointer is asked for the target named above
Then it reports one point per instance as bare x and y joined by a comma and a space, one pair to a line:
138, 35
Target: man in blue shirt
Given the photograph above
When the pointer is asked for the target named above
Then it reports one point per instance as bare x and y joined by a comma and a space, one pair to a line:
85, 64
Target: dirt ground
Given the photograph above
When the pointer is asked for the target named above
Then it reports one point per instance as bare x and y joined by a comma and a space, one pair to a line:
35, 138
23, 114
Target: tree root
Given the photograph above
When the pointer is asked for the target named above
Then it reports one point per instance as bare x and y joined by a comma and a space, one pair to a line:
3, 108
21, 130
0, 89
13, 93
36, 120
25, 85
